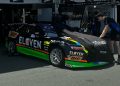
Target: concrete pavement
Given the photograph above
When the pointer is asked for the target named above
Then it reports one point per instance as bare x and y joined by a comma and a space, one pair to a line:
25, 71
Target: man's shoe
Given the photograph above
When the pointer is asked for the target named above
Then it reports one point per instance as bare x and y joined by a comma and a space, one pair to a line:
118, 61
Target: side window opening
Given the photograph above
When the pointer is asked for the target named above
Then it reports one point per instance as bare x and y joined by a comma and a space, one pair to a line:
39, 32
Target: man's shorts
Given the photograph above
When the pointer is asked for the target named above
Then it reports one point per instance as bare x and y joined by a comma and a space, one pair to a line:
115, 37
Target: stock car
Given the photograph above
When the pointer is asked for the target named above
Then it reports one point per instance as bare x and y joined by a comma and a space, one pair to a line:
71, 49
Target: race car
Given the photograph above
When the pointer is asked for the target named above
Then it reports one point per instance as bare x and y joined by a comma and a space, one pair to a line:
70, 49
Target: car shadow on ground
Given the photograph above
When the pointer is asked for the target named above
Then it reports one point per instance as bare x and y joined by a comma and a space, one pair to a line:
18, 62
23, 62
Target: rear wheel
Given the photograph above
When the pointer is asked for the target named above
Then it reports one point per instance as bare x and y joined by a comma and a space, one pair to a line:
57, 57
11, 48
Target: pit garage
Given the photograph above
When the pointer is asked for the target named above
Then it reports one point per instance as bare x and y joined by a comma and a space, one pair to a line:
77, 15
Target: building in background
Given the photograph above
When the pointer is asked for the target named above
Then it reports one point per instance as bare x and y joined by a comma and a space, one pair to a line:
42, 10
26, 11
76, 13
79, 11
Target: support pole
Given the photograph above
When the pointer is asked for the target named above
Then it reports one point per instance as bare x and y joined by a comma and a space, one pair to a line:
23, 16
115, 12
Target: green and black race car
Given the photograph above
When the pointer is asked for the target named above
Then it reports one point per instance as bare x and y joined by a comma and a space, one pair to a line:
72, 49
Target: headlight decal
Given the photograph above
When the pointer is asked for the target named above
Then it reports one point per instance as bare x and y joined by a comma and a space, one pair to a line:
71, 40
85, 50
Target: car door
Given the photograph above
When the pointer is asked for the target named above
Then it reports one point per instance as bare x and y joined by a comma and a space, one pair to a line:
37, 38
23, 35
24, 43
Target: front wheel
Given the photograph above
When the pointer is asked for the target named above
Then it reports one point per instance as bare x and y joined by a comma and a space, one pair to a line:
57, 57
11, 48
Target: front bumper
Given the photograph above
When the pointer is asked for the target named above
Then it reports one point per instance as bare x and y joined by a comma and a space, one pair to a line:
75, 64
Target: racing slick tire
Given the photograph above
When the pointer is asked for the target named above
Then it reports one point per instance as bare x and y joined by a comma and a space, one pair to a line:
11, 48
57, 57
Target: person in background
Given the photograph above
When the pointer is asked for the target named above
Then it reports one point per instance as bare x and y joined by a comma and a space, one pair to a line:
113, 28
94, 26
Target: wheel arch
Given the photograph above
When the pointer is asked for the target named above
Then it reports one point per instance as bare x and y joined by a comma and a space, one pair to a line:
54, 45
62, 62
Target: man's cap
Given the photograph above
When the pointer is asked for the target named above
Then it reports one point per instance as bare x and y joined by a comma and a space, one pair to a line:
99, 15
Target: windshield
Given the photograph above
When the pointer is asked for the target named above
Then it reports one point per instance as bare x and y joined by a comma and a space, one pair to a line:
49, 30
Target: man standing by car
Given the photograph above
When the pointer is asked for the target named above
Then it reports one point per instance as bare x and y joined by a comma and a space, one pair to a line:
114, 32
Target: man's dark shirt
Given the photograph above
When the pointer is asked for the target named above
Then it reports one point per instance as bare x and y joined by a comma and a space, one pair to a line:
113, 32
108, 21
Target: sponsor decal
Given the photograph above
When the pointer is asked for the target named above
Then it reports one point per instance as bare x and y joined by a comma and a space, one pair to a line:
75, 58
46, 48
99, 42
46, 43
103, 52
55, 41
13, 34
68, 65
77, 48
76, 53
30, 42
58, 41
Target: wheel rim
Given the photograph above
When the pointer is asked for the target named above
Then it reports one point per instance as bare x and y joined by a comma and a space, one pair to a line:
11, 47
56, 56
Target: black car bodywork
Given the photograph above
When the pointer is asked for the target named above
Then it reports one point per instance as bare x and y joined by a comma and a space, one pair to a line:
71, 49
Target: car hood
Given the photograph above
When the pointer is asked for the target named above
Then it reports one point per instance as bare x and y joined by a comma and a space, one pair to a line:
85, 39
